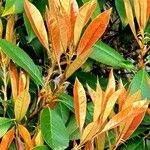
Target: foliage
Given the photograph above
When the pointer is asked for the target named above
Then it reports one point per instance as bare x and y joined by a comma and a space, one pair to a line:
74, 74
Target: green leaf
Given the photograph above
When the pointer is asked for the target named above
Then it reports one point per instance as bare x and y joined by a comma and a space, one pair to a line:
31, 34
133, 144
4, 125
104, 54
22, 59
121, 11
67, 100
13, 7
72, 129
63, 111
44, 147
139, 82
53, 129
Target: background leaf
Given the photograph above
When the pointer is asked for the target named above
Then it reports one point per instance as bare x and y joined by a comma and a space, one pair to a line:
44, 147
107, 55
139, 82
21, 59
53, 129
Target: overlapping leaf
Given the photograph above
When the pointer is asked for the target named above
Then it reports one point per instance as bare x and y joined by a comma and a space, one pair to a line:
93, 32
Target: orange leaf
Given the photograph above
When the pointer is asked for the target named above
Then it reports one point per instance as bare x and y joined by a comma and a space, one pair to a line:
130, 17
23, 81
123, 116
89, 145
24, 133
97, 102
14, 79
137, 11
37, 23
74, 11
94, 31
54, 34
79, 103
77, 63
83, 17
92, 93
148, 10
7, 139
19, 144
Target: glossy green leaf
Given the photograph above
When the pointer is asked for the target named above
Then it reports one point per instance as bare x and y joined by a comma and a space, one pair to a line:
22, 59
72, 129
63, 111
4, 125
43, 147
104, 54
31, 34
139, 82
53, 129
121, 11
67, 100
133, 144
13, 7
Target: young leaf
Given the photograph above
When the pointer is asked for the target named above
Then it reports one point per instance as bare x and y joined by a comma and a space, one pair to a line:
88, 133
7, 139
21, 105
24, 133
110, 104
83, 17
4, 125
79, 103
53, 129
123, 116
130, 17
14, 79
93, 32
97, 102
21, 59
54, 33
77, 63
37, 23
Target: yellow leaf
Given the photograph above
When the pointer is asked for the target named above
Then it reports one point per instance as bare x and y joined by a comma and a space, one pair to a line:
9, 36
1, 28
93, 32
21, 105
79, 103
24, 133
130, 17
38, 139
14, 79
97, 102
77, 63
143, 14
10, 11
37, 23
100, 141
66, 5
7, 139
110, 104
83, 17
132, 98
89, 132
